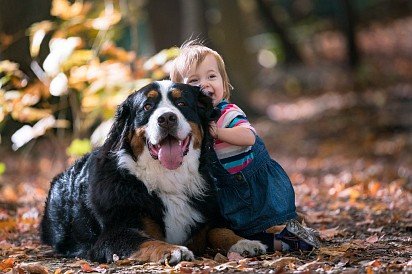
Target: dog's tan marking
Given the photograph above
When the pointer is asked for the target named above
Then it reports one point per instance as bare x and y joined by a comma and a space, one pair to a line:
176, 93
197, 135
275, 229
152, 251
222, 238
137, 141
153, 94
153, 229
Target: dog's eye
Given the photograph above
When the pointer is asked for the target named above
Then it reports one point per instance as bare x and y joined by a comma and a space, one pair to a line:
147, 107
181, 104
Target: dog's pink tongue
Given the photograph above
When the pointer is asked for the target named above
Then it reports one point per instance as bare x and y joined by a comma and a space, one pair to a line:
170, 154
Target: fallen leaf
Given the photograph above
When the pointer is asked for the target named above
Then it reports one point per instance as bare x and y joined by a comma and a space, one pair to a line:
220, 258
309, 266
234, 256
86, 267
328, 234
372, 239
35, 268
228, 265
375, 230
6, 264
279, 263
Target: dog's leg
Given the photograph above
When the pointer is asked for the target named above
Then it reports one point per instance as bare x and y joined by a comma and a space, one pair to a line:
198, 242
226, 239
162, 252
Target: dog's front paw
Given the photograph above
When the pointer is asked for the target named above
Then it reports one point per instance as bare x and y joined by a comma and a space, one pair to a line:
161, 252
176, 255
248, 248
102, 254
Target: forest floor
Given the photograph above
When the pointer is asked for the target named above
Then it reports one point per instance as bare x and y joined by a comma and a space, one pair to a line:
346, 145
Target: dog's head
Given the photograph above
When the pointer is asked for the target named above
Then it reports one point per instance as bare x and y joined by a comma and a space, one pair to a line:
165, 120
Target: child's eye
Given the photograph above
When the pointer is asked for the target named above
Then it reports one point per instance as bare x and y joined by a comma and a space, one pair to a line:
212, 76
193, 81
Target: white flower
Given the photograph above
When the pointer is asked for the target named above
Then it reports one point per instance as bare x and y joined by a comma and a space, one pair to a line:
52, 64
22, 136
26, 133
59, 85
60, 51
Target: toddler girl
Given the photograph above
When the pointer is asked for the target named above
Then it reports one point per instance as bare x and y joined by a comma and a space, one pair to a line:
254, 192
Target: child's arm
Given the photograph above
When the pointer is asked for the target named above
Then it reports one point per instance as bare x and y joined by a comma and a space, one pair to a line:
238, 136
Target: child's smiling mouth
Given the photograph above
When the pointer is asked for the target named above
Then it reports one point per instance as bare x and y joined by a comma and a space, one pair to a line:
208, 93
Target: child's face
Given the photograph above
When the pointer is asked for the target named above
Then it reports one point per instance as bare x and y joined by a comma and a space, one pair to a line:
207, 75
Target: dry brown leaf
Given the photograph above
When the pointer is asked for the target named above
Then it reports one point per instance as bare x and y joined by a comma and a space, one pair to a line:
339, 250
279, 263
374, 263
33, 268
310, 265
375, 230
234, 256
366, 222
7, 264
220, 258
9, 194
228, 265
372, 239
328, 234
86, 267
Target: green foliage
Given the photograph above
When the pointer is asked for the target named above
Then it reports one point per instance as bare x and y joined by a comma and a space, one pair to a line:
2, 168
79, 147
84, 77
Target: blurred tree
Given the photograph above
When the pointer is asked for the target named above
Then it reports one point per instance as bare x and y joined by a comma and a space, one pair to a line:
175, 21
229, 36
292, 54
165, 20
15, 18
348, 23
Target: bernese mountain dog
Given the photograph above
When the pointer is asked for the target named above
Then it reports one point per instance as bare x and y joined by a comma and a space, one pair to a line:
146, 193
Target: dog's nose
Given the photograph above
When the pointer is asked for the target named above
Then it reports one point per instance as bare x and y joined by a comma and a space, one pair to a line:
167, 120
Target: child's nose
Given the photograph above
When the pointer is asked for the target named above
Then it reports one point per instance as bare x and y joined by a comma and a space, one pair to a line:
204, 84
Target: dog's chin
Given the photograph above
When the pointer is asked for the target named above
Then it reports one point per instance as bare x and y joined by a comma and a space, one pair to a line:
170, 151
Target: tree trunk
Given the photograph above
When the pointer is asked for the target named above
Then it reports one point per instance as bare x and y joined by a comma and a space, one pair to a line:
291, 52
165, 20
229, 36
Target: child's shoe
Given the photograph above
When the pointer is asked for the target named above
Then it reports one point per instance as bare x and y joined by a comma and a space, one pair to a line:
298, 237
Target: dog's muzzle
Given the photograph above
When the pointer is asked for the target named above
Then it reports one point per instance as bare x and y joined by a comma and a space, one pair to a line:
170, 150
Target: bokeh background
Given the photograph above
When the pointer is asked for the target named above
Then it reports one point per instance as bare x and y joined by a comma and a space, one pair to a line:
327, 85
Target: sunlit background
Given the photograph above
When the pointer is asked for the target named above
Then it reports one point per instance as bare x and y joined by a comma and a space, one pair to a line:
327, 85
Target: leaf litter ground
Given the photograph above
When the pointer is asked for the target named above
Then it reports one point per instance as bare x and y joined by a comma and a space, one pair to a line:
346, 148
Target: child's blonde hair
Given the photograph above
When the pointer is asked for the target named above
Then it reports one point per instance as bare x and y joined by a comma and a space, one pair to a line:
192, 53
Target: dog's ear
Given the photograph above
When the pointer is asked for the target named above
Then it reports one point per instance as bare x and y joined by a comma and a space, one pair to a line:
215, 114
119, 130
206, 110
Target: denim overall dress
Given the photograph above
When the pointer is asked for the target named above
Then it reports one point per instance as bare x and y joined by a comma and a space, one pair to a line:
256, 198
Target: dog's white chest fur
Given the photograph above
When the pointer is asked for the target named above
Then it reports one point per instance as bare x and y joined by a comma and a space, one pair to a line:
174, 187
179, 218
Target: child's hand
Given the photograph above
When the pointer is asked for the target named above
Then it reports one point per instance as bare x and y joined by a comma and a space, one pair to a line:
213, 130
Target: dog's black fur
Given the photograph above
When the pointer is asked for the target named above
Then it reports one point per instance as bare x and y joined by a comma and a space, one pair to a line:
98, 208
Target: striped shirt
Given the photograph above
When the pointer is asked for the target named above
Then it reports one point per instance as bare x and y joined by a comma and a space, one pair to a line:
233, 158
